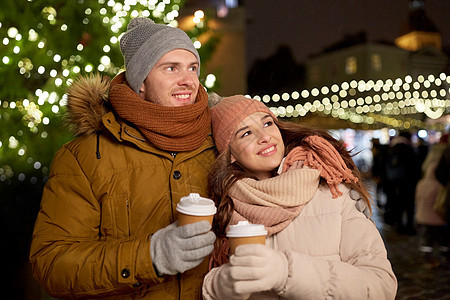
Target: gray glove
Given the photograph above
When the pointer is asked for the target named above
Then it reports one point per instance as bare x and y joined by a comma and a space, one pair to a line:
177, 249
361, 205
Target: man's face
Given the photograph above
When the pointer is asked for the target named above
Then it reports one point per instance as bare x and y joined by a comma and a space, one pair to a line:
173, 80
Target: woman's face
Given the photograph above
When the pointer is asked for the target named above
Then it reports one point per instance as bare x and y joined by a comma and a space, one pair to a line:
257, 145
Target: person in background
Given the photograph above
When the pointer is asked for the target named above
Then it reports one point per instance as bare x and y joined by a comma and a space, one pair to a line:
432, 227
107, 226
402, 174
378, 170
299, 183
422, 149
442, 174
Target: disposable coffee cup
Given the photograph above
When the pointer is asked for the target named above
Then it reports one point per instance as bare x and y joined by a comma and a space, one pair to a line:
193, 208
246, 233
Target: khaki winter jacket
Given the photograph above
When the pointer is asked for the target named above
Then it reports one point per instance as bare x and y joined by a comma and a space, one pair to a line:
333, 252
106, 195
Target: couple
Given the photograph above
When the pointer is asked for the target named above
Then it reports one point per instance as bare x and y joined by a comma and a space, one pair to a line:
107, 225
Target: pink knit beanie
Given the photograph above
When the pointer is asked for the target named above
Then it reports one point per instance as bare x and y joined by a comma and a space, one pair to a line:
228, 113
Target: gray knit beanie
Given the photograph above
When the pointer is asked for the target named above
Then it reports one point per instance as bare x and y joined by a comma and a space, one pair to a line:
144, 43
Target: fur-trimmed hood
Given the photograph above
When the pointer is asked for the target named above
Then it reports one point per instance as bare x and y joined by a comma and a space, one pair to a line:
87, 102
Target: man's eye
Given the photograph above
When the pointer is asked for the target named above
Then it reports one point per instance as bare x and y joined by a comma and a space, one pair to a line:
170, 68
193, 68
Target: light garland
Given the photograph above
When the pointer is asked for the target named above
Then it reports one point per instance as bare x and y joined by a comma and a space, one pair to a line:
387, 102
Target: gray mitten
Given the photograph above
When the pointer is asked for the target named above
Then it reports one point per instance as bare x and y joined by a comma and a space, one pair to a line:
361, 205
177, 249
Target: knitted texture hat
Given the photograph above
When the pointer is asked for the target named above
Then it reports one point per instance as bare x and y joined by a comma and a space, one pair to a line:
145, 43
228, 113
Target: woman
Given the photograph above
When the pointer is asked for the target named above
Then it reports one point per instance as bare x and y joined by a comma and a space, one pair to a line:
431, 225
297, 182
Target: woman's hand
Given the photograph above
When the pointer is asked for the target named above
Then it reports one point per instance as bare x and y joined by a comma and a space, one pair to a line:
225, 285
256, 268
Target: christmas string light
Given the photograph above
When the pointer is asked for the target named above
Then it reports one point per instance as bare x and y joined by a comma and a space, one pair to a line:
387, 102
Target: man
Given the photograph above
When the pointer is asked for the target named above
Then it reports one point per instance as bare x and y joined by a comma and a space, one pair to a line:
107, 225
402, 174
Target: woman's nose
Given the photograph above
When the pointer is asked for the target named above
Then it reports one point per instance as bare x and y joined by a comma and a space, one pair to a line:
263, 137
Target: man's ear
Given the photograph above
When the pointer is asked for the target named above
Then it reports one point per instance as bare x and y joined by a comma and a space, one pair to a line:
142, 89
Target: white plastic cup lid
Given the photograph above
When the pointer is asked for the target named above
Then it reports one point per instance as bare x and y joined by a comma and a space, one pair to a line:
245, 229
195, 205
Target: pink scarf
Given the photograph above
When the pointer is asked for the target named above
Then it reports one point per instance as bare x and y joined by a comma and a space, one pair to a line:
331, 166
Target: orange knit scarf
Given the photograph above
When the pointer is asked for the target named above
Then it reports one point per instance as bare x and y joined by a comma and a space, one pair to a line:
325, 158
182, 128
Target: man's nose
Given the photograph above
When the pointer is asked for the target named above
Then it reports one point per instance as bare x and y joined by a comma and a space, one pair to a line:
187, 78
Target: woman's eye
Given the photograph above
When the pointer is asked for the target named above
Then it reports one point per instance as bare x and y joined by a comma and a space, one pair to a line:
268, 123
247, 133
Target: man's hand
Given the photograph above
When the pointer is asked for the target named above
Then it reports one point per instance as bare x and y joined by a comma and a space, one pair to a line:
177, 249
360, 204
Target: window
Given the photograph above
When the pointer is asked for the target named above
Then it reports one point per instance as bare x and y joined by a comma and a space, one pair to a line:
376, 62
350, 65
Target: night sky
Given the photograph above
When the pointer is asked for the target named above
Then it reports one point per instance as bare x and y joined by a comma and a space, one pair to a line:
308, 26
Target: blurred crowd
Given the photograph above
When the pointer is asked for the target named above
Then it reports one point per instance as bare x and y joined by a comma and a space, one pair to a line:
412, 181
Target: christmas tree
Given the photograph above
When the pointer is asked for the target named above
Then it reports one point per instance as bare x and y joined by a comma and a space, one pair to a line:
44, 46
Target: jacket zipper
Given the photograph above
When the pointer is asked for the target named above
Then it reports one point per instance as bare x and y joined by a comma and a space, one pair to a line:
128, 216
